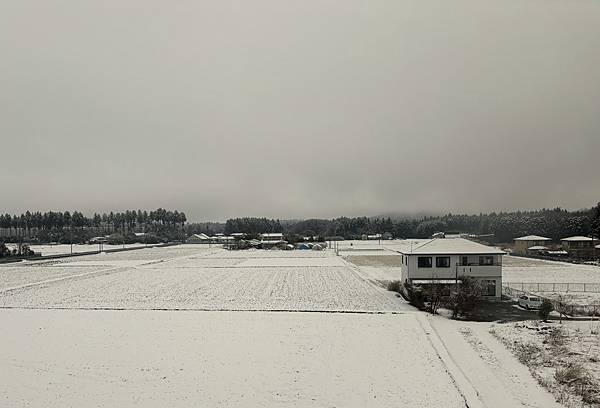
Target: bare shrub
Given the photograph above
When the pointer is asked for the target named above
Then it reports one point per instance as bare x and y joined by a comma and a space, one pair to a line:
394, 286
415, 296
571, 374
557, 337
545, 308
527, 353
562, 307
466, 297
589, 395
436, 294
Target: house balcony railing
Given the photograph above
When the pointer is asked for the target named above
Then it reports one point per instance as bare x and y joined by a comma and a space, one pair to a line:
480, 264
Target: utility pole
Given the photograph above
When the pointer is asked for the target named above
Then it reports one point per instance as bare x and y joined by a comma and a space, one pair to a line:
456, 278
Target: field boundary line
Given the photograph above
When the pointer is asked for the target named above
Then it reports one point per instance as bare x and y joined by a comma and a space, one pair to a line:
191, 309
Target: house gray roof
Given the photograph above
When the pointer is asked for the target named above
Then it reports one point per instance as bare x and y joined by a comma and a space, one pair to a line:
445, 246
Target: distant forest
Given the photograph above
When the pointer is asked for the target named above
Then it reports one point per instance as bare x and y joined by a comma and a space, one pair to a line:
504, 226
67, 227
164, 224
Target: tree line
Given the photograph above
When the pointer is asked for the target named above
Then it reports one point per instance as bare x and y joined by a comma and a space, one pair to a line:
554, 223
63, 225
501, 227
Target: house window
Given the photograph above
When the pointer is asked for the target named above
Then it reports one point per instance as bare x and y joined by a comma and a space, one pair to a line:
486, 260
465, 261
425, 262
442, 262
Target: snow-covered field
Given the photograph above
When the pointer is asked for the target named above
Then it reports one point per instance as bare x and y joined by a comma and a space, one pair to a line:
207, 279
518, 269
574, 283
66, 249
58, 358
191, 326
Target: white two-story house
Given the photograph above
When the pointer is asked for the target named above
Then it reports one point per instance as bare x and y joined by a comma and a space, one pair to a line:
444, 260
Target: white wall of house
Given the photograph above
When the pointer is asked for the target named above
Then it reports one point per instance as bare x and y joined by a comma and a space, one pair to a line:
469, 265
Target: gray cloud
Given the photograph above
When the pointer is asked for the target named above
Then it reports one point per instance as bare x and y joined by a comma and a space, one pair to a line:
303, 109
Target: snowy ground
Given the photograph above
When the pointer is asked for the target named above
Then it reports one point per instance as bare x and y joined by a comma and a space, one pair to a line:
195, 326
66, 249
550, 279
550, 348
517, 269
219, 359
378, 267
374, 260
210, 279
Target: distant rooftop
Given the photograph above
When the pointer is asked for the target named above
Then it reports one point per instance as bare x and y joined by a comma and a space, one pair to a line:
445, 246
537, 248
577, 238
200, 236
533, 238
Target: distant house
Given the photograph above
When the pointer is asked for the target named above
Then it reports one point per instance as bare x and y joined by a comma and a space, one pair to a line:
444, 260
271, 236
371, 237
198, 239
531, 244
537, 250
579, 247
271, 239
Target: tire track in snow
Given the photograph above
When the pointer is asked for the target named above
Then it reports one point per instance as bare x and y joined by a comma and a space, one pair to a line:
464, 387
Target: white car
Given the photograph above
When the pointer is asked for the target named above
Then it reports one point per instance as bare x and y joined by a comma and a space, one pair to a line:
530, 302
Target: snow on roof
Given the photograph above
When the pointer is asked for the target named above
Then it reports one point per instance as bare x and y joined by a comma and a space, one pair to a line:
533, 238
597, 246
537, 248
272, 234
577, 238
454, 246
199, 236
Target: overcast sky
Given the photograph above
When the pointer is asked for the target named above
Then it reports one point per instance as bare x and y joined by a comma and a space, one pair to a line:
299, 109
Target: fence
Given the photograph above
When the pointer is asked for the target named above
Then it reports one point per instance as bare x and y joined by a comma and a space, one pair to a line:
589, 287
565, 306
